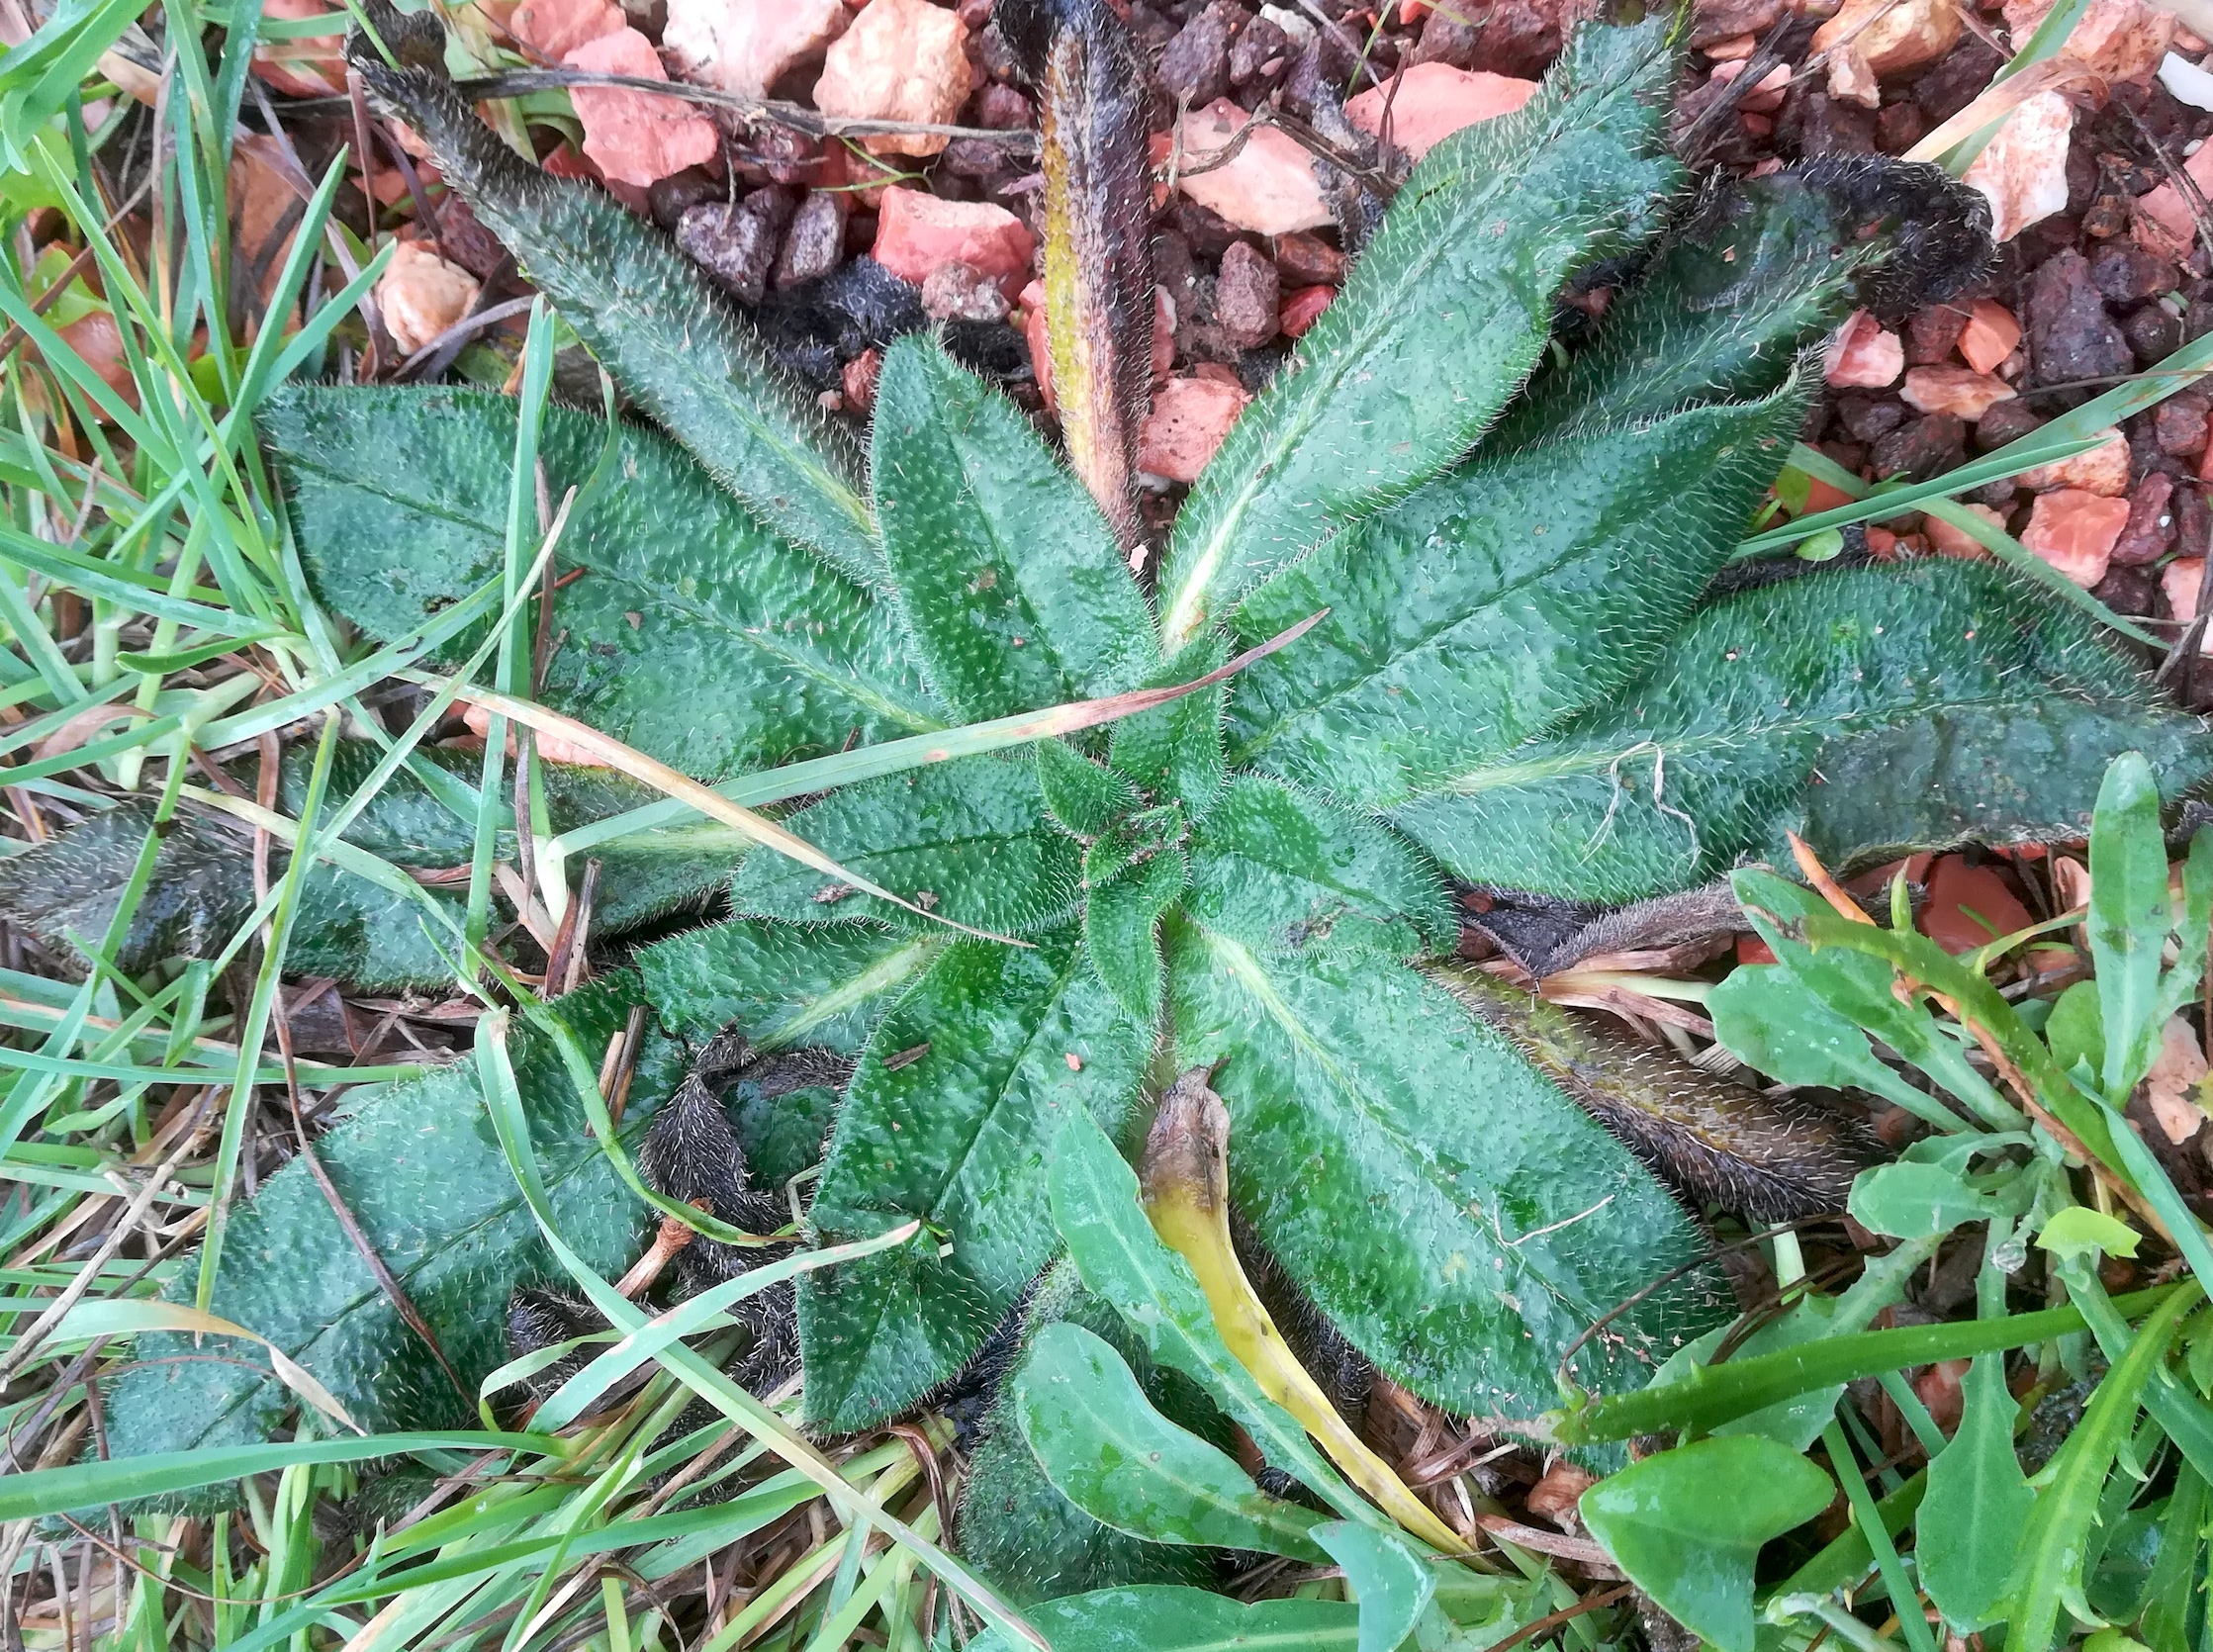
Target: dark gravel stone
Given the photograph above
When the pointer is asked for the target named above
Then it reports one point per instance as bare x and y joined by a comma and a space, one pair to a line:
2193, 520
1261, 52
1898, 127
1002, 108
736, 243
1816, 125
2070, 335
1927, 447
1956, 81
2151, 333
1196, 64
815, 244
958, 292
1932, 333
1870, 418
2124, 273
2178, 423
2130, 590
464, 239
1519, 38
1245, 297
1448, 37
2151, 526
1307, 260
2006, 421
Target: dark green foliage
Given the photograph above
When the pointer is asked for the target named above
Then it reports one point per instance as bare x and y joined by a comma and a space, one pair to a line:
718, 647
418, 1166
1873, 713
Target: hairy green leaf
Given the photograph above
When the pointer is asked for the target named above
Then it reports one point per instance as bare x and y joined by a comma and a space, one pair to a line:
784, 984
1007, 574
1279, 871
1496, 602
1022, 1533
1872, 711
433, 1195
1440, 321
1687, 1525
968, 840
1110, 1453
718, 649
1084, 797
652, 316
949, 1118
1119, 920
1460, 1246
1176, 751
1166, 1618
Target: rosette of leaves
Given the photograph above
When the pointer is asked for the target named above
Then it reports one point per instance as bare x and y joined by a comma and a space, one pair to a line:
1516, 677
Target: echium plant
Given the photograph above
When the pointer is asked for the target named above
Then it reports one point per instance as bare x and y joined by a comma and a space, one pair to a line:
1513, 672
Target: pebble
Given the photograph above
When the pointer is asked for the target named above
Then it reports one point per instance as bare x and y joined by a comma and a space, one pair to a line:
815, 246
1991, 336
1931, 333
1302, 307
1868, 418
1247, 295
1961, 898
2075, 531
1864, 354
1432, 102
1268, 187
899, 61
2125, 273
2023, 170
420, 295
1188, 421
2130, 591
631, 137
1928, 446
1959, 390
959, 292
2117, 40
1951, 541
1260, 52
1307, 260
858, 381
2178, 583
747, 46
2150, 524
917, 232
1869, 39
1195, 64
2178, 423
2152, 334
2102, 469
555, 28
2006, 421
2070, 333
736, 242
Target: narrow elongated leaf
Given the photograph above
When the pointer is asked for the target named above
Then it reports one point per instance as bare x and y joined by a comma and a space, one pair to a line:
968, 840
1443, 317
1110, 1453
1023, 1534
717, 649
653, 317
1275, 871
435, 1198
950, 1116
1008, 576
2129, 919
1119, 920
1686, 1524
1166, 1618
1460, 1244
1468, 618
1872, 711
1976, 1506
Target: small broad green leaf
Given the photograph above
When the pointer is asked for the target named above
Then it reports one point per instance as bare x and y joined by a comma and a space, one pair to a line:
1167, 1619
1461, 1248
436, 1199
1176, 750
1110, 1453
1393, 1583
1976, 1506
1871, 711
1911, 1200
1007, 574
950, 1116
1443, 315
1767, 1018
663, 330
1460, 619
1119, 920
1278, 869
1085, 798
1687, 1525
2129, 919
1124, 1262
2080, 1233
784, 984
2075, 1029
719, 650
968, 840
1020, 1532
